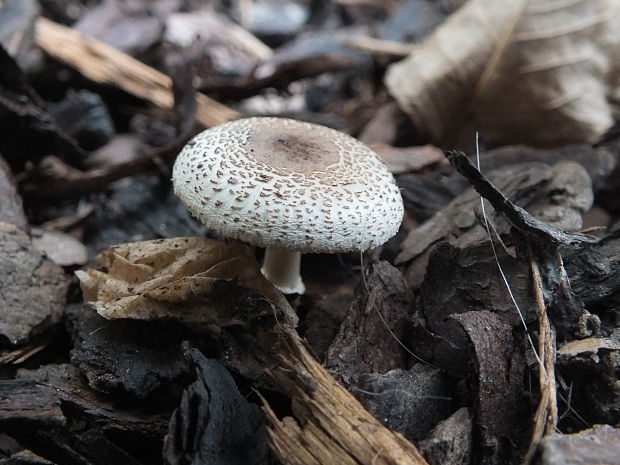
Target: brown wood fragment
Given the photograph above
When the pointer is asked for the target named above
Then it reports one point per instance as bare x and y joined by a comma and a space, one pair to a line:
379, 46
497, 382
546, 416
104, 64
331, 426
368, 340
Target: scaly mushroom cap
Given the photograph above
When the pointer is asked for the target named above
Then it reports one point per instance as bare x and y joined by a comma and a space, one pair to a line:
276, 182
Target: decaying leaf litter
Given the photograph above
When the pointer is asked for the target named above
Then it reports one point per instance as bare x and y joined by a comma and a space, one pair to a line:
169, 346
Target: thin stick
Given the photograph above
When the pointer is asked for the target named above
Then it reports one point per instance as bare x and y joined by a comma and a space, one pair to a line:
104, 64
378, 46
499, 266
546, 416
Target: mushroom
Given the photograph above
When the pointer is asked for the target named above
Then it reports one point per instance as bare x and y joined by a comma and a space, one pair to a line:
291, 187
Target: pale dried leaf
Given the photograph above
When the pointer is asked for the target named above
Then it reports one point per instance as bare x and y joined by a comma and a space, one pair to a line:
532, 71
181, 279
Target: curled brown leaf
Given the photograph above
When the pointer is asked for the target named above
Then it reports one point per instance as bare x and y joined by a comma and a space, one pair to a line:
192, 280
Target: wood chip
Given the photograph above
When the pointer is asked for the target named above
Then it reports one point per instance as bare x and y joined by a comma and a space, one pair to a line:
104, 64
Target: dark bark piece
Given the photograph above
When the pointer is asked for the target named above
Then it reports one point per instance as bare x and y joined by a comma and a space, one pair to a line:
110, 433
33, 131
367, 340
138, 423
321, 321
459, 220
131, 27
461, 280
545, 234
593, 377
310, 54
596, 446
499, 367
594, 271
409, 402
60, 445
127, 357
84, 116
97, 449
566, 198
24, 404
213, 44
144, 208
11, 209
42, 408
599, 162
214, 424
423, 197
450, 442
32, 297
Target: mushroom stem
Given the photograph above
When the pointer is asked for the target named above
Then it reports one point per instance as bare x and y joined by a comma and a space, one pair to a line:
281, 267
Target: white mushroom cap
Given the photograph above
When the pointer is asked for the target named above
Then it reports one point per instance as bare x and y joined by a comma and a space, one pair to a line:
276, 182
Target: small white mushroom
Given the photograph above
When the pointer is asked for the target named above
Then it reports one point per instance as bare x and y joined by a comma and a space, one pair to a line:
291, 187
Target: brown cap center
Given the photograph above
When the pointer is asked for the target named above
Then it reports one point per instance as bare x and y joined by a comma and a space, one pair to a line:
292, 149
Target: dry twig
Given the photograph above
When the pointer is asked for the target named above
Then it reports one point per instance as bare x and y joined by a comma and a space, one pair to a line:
332, 426
546, 417
104, 64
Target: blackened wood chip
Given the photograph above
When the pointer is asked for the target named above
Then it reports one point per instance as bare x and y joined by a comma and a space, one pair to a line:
368, 338
32, 414
43, 406
542, 233
33, 131
23, 402
499, 367
214, 424
466, 279
450, 442
127, 358
410, 402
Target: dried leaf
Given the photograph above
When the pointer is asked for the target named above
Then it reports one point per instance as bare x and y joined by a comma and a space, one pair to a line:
533, 71
181, 278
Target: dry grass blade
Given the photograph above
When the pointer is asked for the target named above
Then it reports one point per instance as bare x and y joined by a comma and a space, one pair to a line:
104, 64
